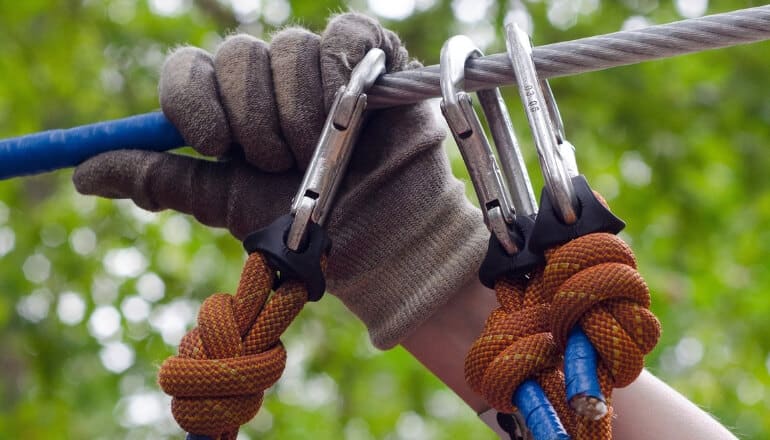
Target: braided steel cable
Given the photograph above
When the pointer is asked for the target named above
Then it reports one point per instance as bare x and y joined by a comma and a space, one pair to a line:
585, 55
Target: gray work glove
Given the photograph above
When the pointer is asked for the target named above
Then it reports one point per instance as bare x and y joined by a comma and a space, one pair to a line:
404, 237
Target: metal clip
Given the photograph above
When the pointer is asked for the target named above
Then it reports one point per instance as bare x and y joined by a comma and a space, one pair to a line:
494, 197
315, 196
556, 154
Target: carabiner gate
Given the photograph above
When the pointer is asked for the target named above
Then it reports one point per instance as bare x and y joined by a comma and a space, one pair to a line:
316, 193
456, 105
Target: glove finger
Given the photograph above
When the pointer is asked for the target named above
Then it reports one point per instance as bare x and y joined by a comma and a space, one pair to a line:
242, 65
347, 38
219, 194
189, 99
295, 56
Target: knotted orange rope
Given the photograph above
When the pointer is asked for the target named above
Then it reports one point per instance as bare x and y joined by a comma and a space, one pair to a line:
515, 345
234, 354
591, 281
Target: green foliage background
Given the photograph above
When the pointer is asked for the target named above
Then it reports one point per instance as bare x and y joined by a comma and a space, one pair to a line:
680, 147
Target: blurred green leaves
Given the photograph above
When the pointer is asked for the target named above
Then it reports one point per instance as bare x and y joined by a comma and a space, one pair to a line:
679, 147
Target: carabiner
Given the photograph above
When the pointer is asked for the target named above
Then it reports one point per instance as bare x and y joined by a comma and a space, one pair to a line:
494, 197
316, 193
556, 154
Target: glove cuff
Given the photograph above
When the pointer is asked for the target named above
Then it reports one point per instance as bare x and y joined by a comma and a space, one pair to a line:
429, 249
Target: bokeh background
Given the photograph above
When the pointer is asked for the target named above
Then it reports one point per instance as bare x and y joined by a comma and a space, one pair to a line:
94, 294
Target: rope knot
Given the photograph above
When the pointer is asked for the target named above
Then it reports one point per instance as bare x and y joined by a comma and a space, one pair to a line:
515, 345
226, 363
594, 283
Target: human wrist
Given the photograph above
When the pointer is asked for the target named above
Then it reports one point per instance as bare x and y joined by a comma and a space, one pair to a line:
441, 342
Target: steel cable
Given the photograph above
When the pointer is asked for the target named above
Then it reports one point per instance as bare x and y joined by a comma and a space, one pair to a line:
585, 55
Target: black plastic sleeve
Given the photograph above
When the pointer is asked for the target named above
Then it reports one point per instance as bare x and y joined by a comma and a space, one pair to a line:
497, 262
550, 231
304, 265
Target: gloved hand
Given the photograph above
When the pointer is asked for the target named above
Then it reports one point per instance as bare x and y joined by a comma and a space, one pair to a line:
404, 238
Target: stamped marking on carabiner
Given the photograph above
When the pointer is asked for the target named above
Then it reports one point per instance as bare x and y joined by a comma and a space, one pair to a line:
556, 155
316, 193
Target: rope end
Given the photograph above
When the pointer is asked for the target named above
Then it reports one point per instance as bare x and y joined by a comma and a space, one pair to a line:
589, 407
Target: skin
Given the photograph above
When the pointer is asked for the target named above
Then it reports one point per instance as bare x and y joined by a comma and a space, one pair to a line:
648, 408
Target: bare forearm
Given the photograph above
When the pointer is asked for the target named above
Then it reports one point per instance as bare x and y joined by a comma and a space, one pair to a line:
441, 343
648, 408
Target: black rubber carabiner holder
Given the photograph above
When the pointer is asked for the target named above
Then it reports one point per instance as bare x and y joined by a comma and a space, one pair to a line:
593, 216
304, 265
497, 262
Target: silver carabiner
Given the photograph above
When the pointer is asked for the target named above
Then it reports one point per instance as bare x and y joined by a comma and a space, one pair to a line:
556, 154
316, 193
456, 105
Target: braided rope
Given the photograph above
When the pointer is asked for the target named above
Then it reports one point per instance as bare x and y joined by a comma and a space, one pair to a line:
234, 354
585, 55
591, 281
516, 344
594, 282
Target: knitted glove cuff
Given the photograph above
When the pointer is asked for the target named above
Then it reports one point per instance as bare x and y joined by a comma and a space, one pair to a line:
400, 282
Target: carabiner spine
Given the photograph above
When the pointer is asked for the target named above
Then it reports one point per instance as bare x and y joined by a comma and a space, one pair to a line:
545, 133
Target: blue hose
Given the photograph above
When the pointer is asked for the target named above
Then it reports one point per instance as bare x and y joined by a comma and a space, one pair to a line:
54, 149
580, 360
538, 413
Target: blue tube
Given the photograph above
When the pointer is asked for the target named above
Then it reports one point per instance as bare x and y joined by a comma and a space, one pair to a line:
54, 149
580, 359
538, 413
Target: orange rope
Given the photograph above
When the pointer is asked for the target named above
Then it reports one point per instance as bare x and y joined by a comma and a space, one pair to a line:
591, 281
595, 284
516, 344
234, 354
